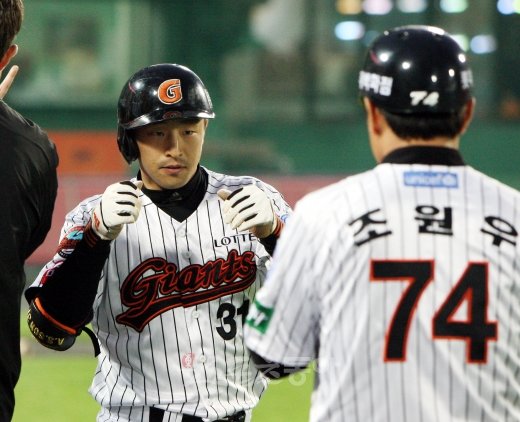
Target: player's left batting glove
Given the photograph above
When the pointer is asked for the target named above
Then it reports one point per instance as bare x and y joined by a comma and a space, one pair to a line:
120, 204
249, 208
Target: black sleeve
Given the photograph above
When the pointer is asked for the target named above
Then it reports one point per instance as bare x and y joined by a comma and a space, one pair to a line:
43, 193
69, 293
273, 370
270, 241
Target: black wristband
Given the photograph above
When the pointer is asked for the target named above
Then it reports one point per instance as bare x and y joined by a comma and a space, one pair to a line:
49, 332
270, 241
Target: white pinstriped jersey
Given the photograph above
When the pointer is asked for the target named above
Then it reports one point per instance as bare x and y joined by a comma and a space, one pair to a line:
170, 308
403, 284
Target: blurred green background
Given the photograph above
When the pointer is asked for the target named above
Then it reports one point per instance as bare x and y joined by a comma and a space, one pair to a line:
283, 78
282, 73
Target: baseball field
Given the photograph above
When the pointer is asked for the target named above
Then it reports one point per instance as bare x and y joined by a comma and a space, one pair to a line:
53, 388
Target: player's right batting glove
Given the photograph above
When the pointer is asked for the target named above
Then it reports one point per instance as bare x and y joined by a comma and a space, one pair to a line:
120, 204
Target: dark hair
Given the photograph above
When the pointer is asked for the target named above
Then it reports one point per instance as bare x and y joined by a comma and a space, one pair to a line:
425, 126
11, 17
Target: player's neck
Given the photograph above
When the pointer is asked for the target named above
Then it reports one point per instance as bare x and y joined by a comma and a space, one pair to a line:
430, 155
181, 203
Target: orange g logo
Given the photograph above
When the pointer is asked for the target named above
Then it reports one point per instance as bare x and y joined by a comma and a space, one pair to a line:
169, 91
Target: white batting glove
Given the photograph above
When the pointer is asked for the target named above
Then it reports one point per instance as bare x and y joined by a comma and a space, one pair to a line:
120, 204
249, 208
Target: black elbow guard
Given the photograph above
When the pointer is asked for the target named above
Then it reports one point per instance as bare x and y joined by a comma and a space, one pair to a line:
49, 332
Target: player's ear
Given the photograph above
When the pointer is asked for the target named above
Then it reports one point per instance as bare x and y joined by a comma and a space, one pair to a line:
8, 55
468, 114
206, 123
374, 117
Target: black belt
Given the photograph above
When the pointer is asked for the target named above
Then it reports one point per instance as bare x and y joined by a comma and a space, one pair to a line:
156, 415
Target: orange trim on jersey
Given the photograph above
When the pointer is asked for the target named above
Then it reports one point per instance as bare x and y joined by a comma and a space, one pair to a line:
279, 227
90, 235
65, 328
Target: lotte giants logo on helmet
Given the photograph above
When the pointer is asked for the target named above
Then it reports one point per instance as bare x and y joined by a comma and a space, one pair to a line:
170, 92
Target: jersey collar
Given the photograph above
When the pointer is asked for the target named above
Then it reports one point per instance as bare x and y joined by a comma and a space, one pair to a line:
196, 184
181, 203
425, 155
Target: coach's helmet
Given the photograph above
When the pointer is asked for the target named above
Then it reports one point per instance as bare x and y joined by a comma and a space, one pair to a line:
157, 93
415, 70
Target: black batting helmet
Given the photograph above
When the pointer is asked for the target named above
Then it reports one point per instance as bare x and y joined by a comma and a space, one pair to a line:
415, 70
157, 93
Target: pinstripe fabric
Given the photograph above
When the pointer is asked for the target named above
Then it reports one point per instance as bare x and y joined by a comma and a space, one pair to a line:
170, 308
325, 294
142, 414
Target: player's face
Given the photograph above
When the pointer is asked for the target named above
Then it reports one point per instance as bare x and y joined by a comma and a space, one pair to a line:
170, 151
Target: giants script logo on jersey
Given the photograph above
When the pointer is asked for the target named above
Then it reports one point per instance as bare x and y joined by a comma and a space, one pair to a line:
169, 91
156, 286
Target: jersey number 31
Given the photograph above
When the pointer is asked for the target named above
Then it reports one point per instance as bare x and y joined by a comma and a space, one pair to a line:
471, 288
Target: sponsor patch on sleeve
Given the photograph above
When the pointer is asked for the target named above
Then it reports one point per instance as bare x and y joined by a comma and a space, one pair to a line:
70, 240
431, 179
259, 317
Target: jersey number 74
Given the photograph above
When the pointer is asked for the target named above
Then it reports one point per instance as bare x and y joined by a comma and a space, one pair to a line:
472, 288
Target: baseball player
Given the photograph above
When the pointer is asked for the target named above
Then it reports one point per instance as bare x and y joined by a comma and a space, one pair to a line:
401, 282
164, 265
28, 190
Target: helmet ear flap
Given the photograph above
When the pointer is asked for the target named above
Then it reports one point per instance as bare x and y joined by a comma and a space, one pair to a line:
127, 145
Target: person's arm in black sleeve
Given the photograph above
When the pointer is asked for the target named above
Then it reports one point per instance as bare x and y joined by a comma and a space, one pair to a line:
62, 306
273, 370
40, 187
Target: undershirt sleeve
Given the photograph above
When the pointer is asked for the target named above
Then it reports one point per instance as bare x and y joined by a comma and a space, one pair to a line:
69, 292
